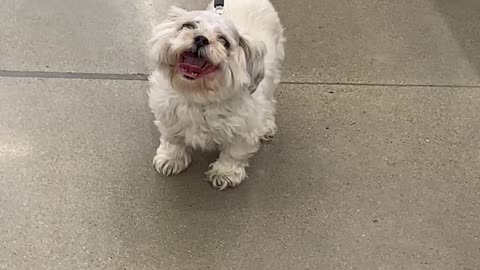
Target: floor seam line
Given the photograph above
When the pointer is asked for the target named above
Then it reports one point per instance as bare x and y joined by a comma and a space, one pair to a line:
144, 77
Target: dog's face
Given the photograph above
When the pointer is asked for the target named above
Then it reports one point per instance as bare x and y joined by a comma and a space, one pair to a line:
206, 55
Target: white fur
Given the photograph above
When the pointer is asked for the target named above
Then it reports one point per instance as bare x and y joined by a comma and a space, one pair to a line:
217, 112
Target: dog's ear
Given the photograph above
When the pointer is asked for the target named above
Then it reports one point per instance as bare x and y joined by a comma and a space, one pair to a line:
159, 44
175, 12
254, 58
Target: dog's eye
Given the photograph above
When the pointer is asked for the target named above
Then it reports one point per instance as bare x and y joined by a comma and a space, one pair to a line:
224, 42
188, 25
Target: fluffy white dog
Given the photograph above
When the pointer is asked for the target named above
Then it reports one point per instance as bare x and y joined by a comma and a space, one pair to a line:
213, 86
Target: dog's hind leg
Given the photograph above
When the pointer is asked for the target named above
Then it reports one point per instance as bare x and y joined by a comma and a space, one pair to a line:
271, 130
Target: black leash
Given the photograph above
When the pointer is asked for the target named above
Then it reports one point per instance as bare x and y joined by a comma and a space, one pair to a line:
218, 5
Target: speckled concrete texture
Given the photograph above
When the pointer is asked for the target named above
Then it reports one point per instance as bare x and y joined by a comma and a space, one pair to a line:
376, 164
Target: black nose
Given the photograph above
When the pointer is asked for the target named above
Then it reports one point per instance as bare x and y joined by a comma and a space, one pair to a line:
201, 41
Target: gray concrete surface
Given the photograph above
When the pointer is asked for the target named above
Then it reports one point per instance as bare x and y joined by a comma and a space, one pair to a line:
424, 42
359, 177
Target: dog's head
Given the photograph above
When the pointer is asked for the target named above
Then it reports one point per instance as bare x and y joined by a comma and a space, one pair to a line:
206, 55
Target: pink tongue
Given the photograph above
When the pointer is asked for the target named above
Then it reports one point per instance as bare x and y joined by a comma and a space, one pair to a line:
193, 60
192, 65
189, 68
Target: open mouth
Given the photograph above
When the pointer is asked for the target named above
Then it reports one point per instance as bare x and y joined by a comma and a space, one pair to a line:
193, 66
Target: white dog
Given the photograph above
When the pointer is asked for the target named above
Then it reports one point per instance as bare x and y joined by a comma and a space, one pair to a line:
213, 85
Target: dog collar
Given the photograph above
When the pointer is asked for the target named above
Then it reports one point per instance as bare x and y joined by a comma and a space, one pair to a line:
218, 5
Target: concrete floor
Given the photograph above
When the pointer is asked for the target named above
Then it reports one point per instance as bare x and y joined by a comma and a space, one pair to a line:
376, 164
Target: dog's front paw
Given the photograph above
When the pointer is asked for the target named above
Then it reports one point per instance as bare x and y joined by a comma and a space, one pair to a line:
226, 174
171, 166
268, 137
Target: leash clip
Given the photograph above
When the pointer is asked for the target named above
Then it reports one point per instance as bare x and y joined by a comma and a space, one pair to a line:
218, 5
